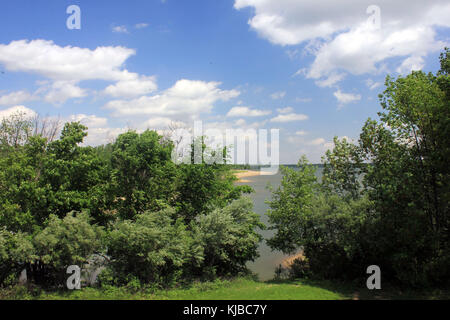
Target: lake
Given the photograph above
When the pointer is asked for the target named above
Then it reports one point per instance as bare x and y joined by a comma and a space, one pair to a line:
265, 265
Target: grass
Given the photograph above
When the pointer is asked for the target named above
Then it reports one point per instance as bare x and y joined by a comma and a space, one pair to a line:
238, 289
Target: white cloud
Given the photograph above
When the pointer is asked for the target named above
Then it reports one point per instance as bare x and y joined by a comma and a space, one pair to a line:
301, 133
285, 110
161, 123
360, 50
141, 25
343, 40
68, 66
185, 98
372, 85
317, 142
278, 95
413, 63
15, 98
16, 109
345, 98
247, 112
61, 91
98, 130
90, 121
139, 86
66, 63
120, 29
289, 118
331, 80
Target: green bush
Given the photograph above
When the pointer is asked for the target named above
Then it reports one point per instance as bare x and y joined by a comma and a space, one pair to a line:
153, 248
16, 249
229, 237
64, 242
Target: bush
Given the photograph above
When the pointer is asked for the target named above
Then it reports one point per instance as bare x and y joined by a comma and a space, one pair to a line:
153, 248
229, 237
64, 242
299, 269
16, 250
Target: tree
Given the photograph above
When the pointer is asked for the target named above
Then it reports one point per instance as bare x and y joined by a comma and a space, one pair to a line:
408, 176
204, 184
143, 173
328, 226
384, 200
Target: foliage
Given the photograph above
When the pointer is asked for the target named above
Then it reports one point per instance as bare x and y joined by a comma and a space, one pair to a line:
325, 225
229, 238
153, 248
143, 173
65, 242
147, 205
384, 200
205, 183
15, 250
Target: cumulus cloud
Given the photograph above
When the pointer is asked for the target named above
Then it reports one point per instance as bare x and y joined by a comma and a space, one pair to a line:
247, 112
140, 85
290, 117
68, 66
185, 98
413, 63
16, 109
342, 36
61, 91
99, 131
68, 63
344, 98
16, 98
161, 123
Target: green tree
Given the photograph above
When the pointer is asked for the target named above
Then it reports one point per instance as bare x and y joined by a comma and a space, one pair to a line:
408, 176
143, 174
382, 201
205, 184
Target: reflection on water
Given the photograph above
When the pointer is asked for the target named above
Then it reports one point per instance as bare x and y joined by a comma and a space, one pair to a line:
265, 265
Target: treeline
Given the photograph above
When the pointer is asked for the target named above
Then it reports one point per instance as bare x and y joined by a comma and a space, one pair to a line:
151, 222
383, 200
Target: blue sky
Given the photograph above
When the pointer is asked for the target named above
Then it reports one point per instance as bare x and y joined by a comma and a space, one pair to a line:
311, 69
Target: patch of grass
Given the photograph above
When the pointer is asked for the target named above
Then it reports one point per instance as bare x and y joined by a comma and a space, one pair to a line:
245, 289
238, 289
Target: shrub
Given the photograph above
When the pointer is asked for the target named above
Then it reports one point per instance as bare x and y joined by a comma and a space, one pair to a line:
64, 242
229, 237
152, 249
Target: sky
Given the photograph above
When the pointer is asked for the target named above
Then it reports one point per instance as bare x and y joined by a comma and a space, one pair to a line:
312, 69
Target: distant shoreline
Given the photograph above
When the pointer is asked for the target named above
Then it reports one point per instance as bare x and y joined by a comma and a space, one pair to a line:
242, 174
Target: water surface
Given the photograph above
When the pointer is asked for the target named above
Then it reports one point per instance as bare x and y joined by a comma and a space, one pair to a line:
265, 265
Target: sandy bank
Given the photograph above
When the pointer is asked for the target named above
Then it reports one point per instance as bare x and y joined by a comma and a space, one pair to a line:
242, 174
